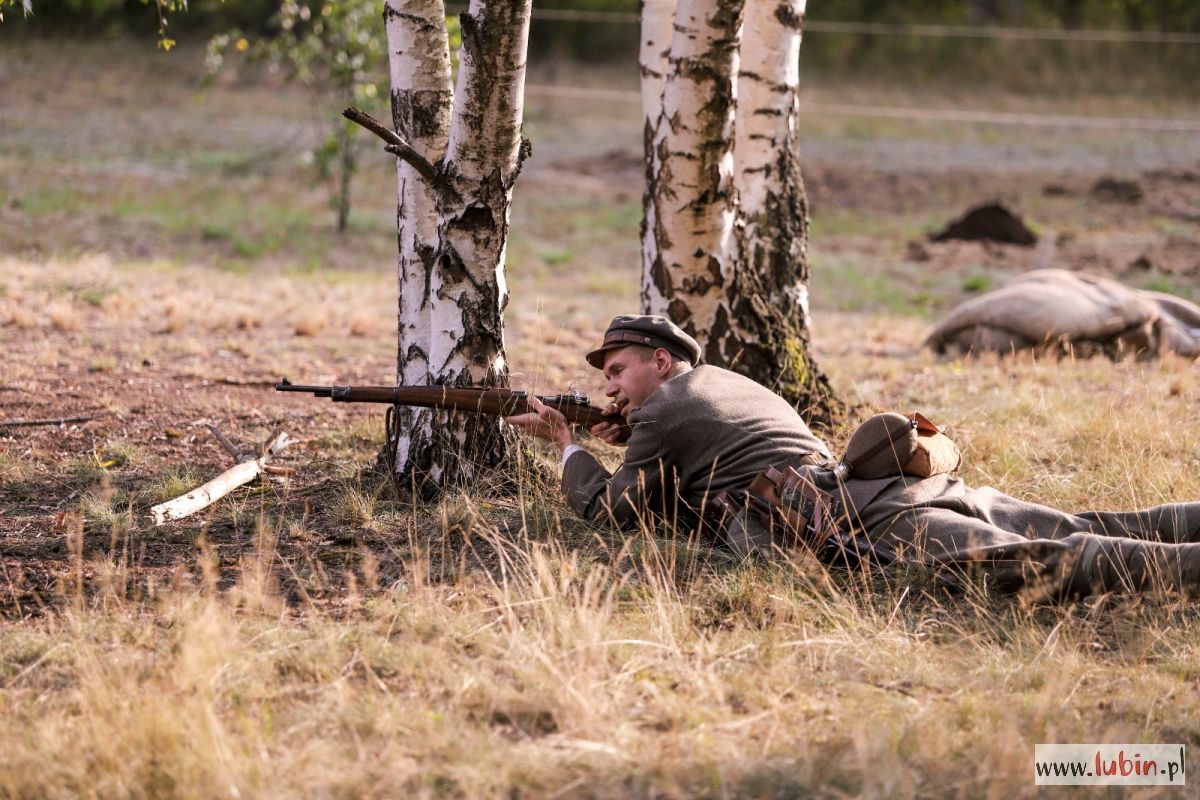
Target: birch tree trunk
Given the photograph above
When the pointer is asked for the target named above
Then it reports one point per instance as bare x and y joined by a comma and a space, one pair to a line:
419, 63
725, 230
658, 24
769, 310
688, 243
459, 154
482, 162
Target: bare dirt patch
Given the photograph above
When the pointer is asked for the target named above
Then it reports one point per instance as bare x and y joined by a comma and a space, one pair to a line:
90, 339
154, 353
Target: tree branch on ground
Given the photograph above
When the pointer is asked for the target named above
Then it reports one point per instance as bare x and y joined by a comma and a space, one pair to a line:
238, 475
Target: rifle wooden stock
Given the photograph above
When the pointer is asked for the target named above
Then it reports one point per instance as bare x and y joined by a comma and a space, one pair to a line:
496, 402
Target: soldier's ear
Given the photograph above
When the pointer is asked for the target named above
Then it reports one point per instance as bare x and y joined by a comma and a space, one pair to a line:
662, 361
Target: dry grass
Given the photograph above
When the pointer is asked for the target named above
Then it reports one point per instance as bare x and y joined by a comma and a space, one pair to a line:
173, 483
309, 326
13, 468
512, 650
361, 325
638, 667
22, 319
63, 316
103, 513
355, 506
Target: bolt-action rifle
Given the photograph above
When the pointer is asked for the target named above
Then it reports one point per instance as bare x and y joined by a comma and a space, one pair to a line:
497, 402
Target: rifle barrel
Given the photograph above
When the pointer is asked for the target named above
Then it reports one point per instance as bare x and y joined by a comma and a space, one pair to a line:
288, 386
496, 401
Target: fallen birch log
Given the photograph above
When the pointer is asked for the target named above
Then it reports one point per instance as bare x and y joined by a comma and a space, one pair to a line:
204, 496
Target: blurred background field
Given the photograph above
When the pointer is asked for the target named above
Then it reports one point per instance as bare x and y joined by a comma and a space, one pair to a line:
167, 252
125, 149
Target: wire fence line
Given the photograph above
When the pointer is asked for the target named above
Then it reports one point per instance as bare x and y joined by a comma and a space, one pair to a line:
917, 114
966, 116
900, 29
1008, 118
981, 32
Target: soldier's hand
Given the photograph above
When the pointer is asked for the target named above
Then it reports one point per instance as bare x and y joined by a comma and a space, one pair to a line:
615, 432
544, 422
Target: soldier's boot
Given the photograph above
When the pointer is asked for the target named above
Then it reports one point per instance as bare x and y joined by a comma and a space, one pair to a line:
1114, 564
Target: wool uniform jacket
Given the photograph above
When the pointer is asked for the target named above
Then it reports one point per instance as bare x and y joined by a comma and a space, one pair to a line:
700, 433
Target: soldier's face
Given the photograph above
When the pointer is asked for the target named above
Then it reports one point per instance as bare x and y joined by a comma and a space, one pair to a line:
632, 377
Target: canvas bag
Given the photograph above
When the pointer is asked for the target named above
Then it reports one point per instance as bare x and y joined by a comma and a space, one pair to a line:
891, 444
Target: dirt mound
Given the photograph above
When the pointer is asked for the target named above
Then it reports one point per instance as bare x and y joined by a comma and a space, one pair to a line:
1173, 175
991, 222
1173, 193
1177, 255
608, 162
1117, 190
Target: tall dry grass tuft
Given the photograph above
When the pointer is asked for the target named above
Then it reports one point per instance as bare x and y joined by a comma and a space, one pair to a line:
63, 316
13, 468
309, 324
355, 504
22, 318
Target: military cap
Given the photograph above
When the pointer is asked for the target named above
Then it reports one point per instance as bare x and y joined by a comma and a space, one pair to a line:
648, 330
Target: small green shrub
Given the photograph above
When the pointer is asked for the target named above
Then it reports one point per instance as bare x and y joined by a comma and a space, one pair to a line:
976, 283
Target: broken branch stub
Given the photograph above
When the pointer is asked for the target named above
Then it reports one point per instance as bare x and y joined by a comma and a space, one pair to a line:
228, 446
396, 145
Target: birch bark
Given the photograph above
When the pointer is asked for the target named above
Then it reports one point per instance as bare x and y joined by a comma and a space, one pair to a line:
657, 27
452, 223
769, 315
419, 63
483, 159
725, 228
688, 241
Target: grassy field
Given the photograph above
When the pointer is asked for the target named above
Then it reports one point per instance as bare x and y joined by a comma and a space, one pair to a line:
165, 257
